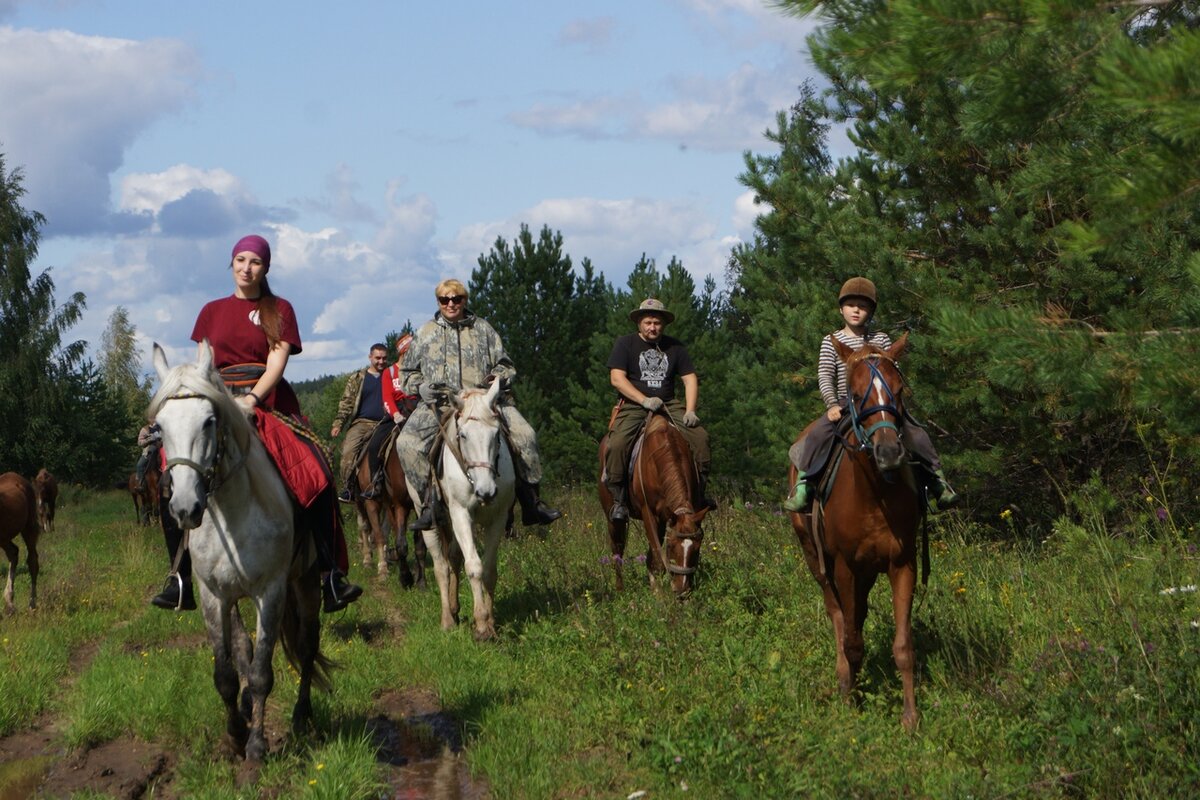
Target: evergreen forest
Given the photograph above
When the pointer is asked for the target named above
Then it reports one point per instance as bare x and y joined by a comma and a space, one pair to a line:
1022, 187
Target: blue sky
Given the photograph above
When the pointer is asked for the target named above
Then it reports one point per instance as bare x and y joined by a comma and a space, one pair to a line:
379, 146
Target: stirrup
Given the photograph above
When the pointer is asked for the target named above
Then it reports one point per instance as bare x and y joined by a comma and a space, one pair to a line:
335, 598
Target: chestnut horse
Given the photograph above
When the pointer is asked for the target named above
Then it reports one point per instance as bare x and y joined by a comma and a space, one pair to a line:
145, 499
868, 523
45, 488
18, 517
393, 499
663, 494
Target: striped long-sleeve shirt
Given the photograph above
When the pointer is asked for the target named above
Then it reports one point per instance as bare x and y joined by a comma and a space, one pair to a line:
831, 374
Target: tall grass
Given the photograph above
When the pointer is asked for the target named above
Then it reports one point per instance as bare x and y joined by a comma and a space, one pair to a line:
1060, 665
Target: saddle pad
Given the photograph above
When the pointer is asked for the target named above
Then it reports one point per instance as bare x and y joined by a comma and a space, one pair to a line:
303, 472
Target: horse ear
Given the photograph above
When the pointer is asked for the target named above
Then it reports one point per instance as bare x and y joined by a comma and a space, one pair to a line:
898, 347
456, 400
699, 516
160, 362
204, 357
843, 351
493, 392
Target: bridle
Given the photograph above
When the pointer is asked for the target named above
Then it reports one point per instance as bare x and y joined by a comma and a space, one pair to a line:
452, 443
675, 569
217, 472
888, 406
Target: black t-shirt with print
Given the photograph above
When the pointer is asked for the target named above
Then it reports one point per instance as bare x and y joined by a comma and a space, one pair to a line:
651, 366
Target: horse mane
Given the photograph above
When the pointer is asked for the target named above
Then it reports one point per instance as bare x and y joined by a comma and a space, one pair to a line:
187, 379
668, 454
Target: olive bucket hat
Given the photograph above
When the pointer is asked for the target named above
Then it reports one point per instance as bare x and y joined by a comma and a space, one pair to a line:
651, 306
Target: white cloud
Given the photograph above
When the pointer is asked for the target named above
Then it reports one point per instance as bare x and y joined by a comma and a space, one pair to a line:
150, 191
746, 212
70, 105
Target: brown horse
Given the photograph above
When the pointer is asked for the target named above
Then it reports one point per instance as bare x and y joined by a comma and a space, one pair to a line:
18, 517
145, 499
45, 488
663, 495
393, 499
868, 524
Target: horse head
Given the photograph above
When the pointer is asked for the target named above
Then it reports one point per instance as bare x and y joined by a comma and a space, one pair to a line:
198, 418
875, 389
681, 548
479, 435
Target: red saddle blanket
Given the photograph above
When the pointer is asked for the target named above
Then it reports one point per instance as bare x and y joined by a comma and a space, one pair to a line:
300, 462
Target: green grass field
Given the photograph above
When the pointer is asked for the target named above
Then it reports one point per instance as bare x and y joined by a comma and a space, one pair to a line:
1063, 666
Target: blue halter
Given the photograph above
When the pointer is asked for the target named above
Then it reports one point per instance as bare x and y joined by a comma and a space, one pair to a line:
888, 407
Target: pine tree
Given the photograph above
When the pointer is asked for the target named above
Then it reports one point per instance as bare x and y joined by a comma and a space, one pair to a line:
1025, 204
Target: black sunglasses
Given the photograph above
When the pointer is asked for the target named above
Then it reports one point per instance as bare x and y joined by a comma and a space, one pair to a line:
454, 298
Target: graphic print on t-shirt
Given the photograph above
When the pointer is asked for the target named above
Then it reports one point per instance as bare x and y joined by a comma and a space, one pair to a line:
653, 364
254, 317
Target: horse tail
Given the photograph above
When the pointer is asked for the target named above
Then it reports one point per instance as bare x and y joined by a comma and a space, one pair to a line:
296, 642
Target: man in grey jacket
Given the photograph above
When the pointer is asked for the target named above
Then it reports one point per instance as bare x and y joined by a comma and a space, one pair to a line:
457, 350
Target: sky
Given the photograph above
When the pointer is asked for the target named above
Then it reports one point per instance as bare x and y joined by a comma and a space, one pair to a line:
378, 146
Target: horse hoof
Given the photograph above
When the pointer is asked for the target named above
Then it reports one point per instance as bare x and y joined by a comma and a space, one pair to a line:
488, 635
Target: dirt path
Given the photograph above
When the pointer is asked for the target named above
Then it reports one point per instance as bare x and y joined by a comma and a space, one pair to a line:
418, 746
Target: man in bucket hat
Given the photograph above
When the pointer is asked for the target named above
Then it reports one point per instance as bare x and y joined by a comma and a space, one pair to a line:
642, 368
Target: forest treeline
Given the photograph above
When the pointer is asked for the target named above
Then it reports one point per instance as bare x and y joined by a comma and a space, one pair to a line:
1022, 189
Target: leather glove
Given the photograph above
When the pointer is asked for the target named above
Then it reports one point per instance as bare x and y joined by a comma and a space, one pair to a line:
690, 419
652, 403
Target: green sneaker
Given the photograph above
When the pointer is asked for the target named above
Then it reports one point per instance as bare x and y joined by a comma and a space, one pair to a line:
799, 497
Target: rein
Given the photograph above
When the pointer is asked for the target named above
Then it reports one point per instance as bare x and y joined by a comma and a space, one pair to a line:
215, 475
449, 427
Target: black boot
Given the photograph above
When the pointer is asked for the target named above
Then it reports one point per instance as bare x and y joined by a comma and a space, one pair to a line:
338, 592
533, 510
702, 489
620, 510
424, 521
177, 594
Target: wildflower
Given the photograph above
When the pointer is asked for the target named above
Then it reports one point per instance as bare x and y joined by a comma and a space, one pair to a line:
678, 759
320, 766
641, 559
961, 590
313, 782
1162, 514
605, 559
1191, 587
1149, 499
1006, 514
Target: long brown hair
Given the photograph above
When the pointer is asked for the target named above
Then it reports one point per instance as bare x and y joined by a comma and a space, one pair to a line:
268, 314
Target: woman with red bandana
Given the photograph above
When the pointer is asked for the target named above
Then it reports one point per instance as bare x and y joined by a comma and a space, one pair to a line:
253, 333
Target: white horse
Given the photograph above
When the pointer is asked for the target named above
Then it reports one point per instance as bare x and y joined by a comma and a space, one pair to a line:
478, 484
228, 494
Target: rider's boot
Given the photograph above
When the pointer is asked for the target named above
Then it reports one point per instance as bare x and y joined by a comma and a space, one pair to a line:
798, 500
337, 592
177, 594
424, 520
346, 495
620, 510
943, 493
533, 510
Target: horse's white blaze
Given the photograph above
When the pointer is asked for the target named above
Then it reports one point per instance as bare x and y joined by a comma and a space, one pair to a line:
687, 548
879, 389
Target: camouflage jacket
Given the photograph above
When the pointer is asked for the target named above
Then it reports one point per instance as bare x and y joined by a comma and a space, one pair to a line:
351, 397
460, 355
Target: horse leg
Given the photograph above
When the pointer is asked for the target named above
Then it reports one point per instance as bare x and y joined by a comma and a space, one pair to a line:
32, 561
225, 676
242, 650
442, 571
302, 625
494, 532
464, 534
618, 535
654, 554
14, 555
903, 579
364, 531
262, 675
399, 521
839, 603
420, 551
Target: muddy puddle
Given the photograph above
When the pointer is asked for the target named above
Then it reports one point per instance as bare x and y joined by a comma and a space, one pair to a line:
419, 744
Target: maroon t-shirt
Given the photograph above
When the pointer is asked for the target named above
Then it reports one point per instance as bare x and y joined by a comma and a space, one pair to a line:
231, 327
